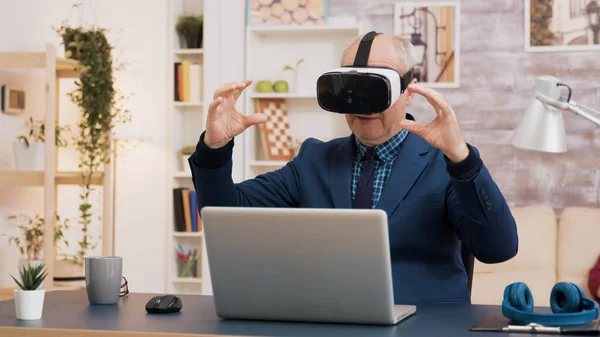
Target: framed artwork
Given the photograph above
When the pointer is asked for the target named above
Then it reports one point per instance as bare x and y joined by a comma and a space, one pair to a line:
562, 25
434, 30
286, 12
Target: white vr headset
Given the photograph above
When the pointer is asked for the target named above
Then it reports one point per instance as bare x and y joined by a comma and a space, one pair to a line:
361, 89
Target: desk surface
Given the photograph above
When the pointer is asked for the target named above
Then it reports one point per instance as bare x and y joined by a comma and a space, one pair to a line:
68, 314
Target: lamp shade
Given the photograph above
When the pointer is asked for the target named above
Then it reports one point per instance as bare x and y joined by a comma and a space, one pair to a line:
541, 129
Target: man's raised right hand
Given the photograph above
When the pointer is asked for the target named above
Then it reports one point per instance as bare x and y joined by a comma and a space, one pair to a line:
224, 121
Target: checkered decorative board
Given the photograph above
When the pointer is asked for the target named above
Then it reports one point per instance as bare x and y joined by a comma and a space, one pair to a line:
275, 135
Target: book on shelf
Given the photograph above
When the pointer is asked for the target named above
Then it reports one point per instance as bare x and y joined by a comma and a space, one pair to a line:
185, 210
188, 82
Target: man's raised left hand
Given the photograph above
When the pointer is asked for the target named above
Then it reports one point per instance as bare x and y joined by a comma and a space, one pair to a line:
443, 132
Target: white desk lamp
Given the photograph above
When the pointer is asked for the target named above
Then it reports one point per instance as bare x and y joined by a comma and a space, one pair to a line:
542, 127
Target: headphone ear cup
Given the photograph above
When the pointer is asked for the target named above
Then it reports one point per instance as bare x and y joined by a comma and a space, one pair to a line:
519, 297
566, 297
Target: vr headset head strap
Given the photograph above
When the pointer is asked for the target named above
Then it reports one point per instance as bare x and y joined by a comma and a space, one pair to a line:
364, 49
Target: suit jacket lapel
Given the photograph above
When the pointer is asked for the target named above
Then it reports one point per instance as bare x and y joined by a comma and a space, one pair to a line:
405, 171
340, 173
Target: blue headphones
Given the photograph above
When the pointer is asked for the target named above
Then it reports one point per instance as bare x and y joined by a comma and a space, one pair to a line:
567, 301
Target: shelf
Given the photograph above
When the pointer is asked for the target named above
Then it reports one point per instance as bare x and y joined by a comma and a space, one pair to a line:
75, 178
188, 104
289, 95
265, 30
182, 174
36, 178
22, 178
187, 280
179, 52
65, 68
268, 163
188, 234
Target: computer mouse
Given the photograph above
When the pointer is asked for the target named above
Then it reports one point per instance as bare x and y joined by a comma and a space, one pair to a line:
164, 304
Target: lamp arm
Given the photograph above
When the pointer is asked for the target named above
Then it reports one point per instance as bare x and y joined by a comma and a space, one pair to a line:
578, 111
586, 108
570, 107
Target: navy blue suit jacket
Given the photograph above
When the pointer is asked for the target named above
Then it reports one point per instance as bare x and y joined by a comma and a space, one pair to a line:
431, 208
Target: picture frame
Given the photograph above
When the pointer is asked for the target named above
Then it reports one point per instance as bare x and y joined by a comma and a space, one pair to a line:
562, 25
286, 12
12, 99
433, 27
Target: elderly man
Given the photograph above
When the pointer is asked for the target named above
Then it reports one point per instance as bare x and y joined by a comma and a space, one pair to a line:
433, 186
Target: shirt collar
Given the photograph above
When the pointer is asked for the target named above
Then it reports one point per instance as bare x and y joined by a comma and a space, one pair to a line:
386, 151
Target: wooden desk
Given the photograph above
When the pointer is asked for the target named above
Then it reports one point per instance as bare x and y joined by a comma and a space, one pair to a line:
6, 294
68, 314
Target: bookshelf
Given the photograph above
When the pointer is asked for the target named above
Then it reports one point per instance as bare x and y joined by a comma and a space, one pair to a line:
55, 70
268, 50
186, 113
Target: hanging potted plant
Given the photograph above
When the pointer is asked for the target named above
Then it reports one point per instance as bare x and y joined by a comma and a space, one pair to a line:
98, 100
29, 150
190, 30
29, 298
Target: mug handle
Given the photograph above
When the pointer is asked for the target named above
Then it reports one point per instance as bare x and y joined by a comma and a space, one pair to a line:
126, 291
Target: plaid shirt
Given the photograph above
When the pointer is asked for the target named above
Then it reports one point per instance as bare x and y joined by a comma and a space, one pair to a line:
386, 155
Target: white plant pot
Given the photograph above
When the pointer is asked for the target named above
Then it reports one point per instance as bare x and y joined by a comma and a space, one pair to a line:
29, 158
29, 304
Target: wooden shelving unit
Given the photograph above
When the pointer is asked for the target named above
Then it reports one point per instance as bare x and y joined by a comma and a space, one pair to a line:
268, 50
185, 123
56, 69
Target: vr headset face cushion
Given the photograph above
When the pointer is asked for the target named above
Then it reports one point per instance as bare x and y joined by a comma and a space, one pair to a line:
565, 297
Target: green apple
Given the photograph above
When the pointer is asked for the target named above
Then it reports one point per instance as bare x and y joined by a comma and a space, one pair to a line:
264, 86
281, 86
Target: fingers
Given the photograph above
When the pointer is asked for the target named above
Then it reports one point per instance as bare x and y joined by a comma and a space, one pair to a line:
240, 88
433, 97
231, 88
414, 127
214, 104
254, 119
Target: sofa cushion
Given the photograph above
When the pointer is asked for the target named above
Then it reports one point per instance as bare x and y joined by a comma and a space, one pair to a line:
534, 264
578, 244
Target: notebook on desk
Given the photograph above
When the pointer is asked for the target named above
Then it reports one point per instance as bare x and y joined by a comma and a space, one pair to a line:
295, 264
494, 321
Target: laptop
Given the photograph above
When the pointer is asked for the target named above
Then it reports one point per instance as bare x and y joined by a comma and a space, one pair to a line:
301, 264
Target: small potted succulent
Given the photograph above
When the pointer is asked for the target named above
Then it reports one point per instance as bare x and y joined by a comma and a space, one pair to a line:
29, 298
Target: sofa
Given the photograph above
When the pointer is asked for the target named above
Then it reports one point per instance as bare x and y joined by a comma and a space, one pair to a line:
553, 247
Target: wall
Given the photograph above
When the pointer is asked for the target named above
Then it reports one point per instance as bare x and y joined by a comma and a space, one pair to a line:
496, 84
140, 41
497, 79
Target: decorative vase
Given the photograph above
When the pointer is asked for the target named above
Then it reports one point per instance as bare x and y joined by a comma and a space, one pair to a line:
29, 158
29, 304
185, 165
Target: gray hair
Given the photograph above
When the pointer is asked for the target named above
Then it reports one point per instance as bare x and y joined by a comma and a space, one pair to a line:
403, 46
